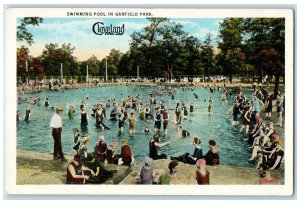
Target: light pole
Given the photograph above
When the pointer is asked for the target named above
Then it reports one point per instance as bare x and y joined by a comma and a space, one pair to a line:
87, 74
106, 70
61, 72
26, 65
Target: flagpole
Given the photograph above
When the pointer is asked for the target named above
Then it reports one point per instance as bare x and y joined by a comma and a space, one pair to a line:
26, 64
61, 72
87, 74
106, 70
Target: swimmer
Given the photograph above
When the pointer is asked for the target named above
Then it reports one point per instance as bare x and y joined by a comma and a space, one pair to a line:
236, 112
148, 114
142, 112
196, 96
84, 120
184, 111
157, 120
82, 105
209, 107
185, 133
279, 108
71, 112
46, 102
76, 140
121, 121
246, 120
165, 116
147, 130
177, 113
27, 113
18, 115
132, 124
223, 98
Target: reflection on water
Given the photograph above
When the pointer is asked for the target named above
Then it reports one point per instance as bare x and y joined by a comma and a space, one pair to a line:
35, 135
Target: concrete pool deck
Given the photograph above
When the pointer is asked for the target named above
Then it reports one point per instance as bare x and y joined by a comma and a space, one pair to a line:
39, 168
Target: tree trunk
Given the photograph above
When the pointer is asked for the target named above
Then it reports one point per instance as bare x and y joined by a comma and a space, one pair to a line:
230, 78
260, 77
209, 73
276, 87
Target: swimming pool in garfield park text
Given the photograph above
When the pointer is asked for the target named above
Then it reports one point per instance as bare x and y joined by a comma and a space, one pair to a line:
35, 135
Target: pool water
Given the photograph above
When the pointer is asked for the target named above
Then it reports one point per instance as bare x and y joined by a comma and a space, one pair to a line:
35, 135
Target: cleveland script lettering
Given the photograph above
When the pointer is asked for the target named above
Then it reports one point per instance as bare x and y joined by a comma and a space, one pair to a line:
99, 29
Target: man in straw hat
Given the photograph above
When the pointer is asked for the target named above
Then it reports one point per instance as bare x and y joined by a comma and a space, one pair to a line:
56, 125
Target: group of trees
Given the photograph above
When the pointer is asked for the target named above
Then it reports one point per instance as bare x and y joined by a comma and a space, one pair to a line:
245, 46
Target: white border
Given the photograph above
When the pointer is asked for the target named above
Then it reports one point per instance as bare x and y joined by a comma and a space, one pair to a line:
10, 102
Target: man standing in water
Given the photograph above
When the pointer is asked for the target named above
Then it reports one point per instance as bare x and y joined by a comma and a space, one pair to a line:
56, 125
209, 105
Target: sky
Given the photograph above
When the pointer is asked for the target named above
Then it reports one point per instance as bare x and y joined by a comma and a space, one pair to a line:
78, 32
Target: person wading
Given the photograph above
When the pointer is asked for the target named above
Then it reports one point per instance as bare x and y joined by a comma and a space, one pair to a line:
56, 125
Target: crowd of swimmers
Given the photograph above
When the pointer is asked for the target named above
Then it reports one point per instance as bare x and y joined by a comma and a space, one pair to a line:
260, 133
263, 140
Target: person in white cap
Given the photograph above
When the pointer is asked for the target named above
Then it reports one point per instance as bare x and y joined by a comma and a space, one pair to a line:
56, 125
100, 149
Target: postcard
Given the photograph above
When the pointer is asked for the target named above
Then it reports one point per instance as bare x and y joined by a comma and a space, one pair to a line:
149, 101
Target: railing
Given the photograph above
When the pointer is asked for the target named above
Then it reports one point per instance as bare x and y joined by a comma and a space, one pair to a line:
94, 80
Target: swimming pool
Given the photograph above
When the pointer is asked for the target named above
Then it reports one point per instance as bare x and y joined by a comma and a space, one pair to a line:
35, 135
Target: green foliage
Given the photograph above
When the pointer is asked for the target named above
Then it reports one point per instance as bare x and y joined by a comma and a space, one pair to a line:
164, 49
113, 60
247, 46
22, 57
231, 43
22, 32
207, 56
93, 66
53, 56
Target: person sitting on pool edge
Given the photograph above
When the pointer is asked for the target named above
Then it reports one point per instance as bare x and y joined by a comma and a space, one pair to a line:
170, 178
75, 171
126, 157
267, 179
154, 148
149, 175
100, 173
111, 157
212, 157
100, 149
202, 175
191, 158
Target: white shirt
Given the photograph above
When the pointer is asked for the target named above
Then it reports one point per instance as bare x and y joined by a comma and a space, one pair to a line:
56, 121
